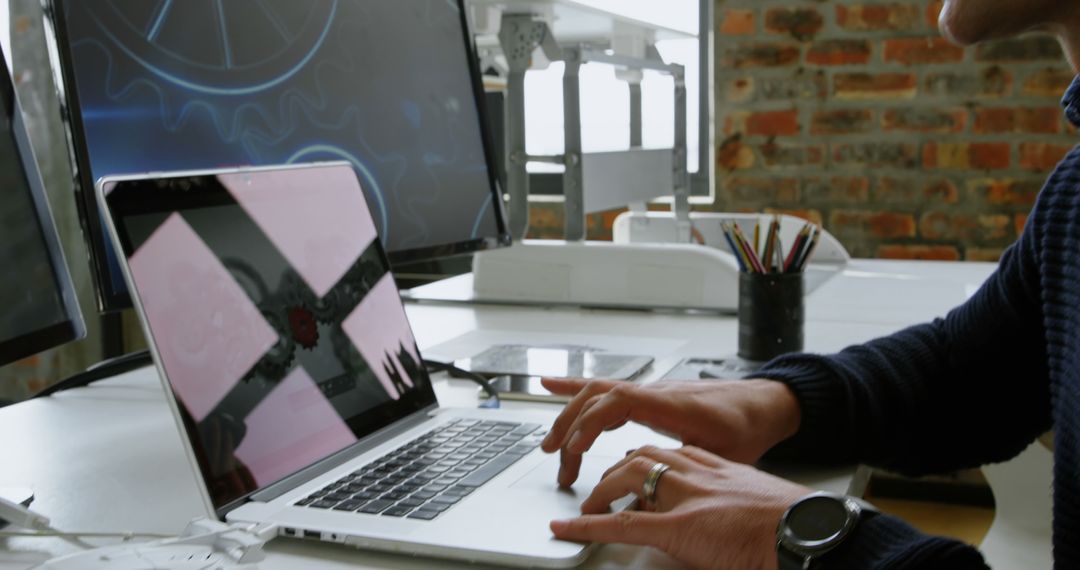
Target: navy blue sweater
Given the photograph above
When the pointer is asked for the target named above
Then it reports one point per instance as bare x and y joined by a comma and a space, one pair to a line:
973, 388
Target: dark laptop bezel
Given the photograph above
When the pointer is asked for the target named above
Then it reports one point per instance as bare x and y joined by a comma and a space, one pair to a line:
129, 196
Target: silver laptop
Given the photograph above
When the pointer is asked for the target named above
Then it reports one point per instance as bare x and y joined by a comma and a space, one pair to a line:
295, 380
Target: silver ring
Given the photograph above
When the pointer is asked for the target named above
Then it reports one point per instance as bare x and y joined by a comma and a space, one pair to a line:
649, 488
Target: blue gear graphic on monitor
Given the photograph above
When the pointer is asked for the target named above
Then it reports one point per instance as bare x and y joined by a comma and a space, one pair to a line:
159, 35
256, 73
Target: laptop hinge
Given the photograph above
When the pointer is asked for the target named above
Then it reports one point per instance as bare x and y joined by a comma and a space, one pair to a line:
334, 461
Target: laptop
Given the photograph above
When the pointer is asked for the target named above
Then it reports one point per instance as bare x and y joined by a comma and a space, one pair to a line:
297, 385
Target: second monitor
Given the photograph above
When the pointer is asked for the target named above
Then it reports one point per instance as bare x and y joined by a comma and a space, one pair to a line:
391, 87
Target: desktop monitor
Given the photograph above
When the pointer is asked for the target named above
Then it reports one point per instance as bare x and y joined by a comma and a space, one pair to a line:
40, 310
391, 87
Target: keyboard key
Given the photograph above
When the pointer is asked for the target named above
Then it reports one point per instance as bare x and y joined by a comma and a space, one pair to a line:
410, 502
440, 507
436, 488
445, 500
364, 496
458, 491
397, 511
323, 504
424, 495
305, 501
424, 515
491, 469
525, 429
376, 507
348, 505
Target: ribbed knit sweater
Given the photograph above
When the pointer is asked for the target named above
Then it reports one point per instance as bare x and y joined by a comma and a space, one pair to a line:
975, 387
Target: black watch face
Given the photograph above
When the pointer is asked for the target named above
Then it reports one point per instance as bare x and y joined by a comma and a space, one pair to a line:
817, 519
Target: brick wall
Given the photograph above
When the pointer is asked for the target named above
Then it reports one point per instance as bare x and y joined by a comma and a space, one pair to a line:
860, 116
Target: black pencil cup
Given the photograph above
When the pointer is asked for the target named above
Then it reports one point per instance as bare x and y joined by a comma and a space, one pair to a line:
771, 315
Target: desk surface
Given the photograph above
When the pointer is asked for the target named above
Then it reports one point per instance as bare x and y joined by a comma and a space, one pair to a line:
108, 457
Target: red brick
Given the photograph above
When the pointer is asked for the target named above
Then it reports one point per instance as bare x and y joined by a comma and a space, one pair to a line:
842, 122
851, 86
992, 81
1050, 82
964, 227
876, 155
738, 23
810, 215
992, 254
922, 252
838, 189
734, 155
1023, 49
915, 191
925, 120
803, 84
881, 225
918, 51
966, 156
1045, 120
839, 52
776, 154
942, 191
773, 123
748, 189
799, 23
887, 225
1042, 157
1006, 192
762, 55
874, 17
933, 12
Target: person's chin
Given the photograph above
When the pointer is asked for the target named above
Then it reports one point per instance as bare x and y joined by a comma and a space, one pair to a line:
961, 30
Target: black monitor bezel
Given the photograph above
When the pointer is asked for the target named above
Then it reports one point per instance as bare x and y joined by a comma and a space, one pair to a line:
90, 215
72, 327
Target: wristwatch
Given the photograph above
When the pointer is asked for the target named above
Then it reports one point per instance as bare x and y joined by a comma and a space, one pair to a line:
816, 524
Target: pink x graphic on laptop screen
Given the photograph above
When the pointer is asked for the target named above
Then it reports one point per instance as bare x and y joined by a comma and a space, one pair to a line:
273, 314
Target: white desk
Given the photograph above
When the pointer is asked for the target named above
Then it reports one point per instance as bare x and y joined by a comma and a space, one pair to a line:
108, 457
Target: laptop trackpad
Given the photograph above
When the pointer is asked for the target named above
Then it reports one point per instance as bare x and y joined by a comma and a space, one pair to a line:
543, 477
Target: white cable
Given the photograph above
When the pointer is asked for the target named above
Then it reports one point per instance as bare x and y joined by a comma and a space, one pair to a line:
57, 534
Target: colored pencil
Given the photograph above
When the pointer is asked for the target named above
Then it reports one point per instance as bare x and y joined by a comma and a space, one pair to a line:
809, 250
796, 247
737, 252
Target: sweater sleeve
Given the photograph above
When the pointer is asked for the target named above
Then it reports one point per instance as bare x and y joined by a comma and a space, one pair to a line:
887, 543
969, 389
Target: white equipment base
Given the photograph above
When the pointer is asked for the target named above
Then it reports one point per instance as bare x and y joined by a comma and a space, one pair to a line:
604, 274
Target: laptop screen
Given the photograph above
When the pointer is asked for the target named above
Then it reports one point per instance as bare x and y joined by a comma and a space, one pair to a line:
272, 311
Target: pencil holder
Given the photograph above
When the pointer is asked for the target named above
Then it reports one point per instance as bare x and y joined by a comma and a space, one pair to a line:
771, 315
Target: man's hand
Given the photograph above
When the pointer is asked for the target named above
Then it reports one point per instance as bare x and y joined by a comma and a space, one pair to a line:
737, 419
708, 512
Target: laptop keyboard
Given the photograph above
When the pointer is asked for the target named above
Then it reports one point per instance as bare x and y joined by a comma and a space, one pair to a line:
430, 474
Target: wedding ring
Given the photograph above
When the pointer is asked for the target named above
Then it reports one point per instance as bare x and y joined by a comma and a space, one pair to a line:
649, 488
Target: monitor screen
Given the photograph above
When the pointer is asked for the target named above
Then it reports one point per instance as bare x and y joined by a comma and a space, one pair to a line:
40, 308
271, 311
390, 87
